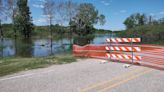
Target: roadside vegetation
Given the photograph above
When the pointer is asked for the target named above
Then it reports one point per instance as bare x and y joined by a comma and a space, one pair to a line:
150, 30
13, 65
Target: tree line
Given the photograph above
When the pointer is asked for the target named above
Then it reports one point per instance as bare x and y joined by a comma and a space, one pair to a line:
150, 30
80, 18
19, 13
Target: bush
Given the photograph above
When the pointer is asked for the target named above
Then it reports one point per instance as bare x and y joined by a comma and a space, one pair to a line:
148, 33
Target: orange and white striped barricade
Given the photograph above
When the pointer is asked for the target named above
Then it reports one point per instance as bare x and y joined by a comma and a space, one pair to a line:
123, 40
123, 48
123, 56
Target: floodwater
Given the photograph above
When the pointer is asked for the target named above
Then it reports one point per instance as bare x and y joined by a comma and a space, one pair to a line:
37, 47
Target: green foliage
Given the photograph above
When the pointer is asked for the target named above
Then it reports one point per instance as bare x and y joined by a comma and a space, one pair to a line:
12, 65
59, 29
83, 40
22, 20
102, 31
145, 27
86, 17
1, 32
41, 31
135, 20
148, 33
7, 30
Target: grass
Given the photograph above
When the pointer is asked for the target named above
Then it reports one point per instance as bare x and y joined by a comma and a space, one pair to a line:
13, 65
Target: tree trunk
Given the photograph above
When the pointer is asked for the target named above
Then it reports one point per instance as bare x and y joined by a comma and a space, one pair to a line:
1, 36
50, 29
1, 31
70, 34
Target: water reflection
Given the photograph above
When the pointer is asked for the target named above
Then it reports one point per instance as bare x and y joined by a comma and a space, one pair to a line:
6, 47
24, 48
37, 47
83, 40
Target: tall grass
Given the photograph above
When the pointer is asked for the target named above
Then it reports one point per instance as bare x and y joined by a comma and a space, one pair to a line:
13, 65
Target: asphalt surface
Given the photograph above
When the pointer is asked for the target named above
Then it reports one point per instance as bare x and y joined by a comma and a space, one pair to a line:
90, 75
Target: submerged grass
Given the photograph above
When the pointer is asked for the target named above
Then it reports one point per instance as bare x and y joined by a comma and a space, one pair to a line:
13, 65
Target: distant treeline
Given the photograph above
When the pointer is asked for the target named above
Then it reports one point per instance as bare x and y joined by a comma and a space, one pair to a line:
38, 30
42, 30
102, 31
148, 29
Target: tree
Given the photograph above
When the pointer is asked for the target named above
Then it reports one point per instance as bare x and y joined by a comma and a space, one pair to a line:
0, 18
149, 29
2, 15
102, 19
136, 20
161, 21
2, 8
71, 9
22, 20
8, 9
130, 22
85, 19
12, 6
12, 10
49, 10
1, 32
61, 15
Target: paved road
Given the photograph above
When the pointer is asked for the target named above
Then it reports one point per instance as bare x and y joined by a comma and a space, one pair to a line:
85, 76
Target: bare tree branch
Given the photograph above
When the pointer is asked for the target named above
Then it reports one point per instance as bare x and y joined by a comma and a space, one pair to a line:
12, 7
71, 9
49, 10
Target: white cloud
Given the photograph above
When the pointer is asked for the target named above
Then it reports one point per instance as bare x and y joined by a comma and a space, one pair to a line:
42, 0
162, 12
42, 19
151, 14
39, 21
102, 1
123, 11
44, 16
157, 14
106, 3
38, 6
